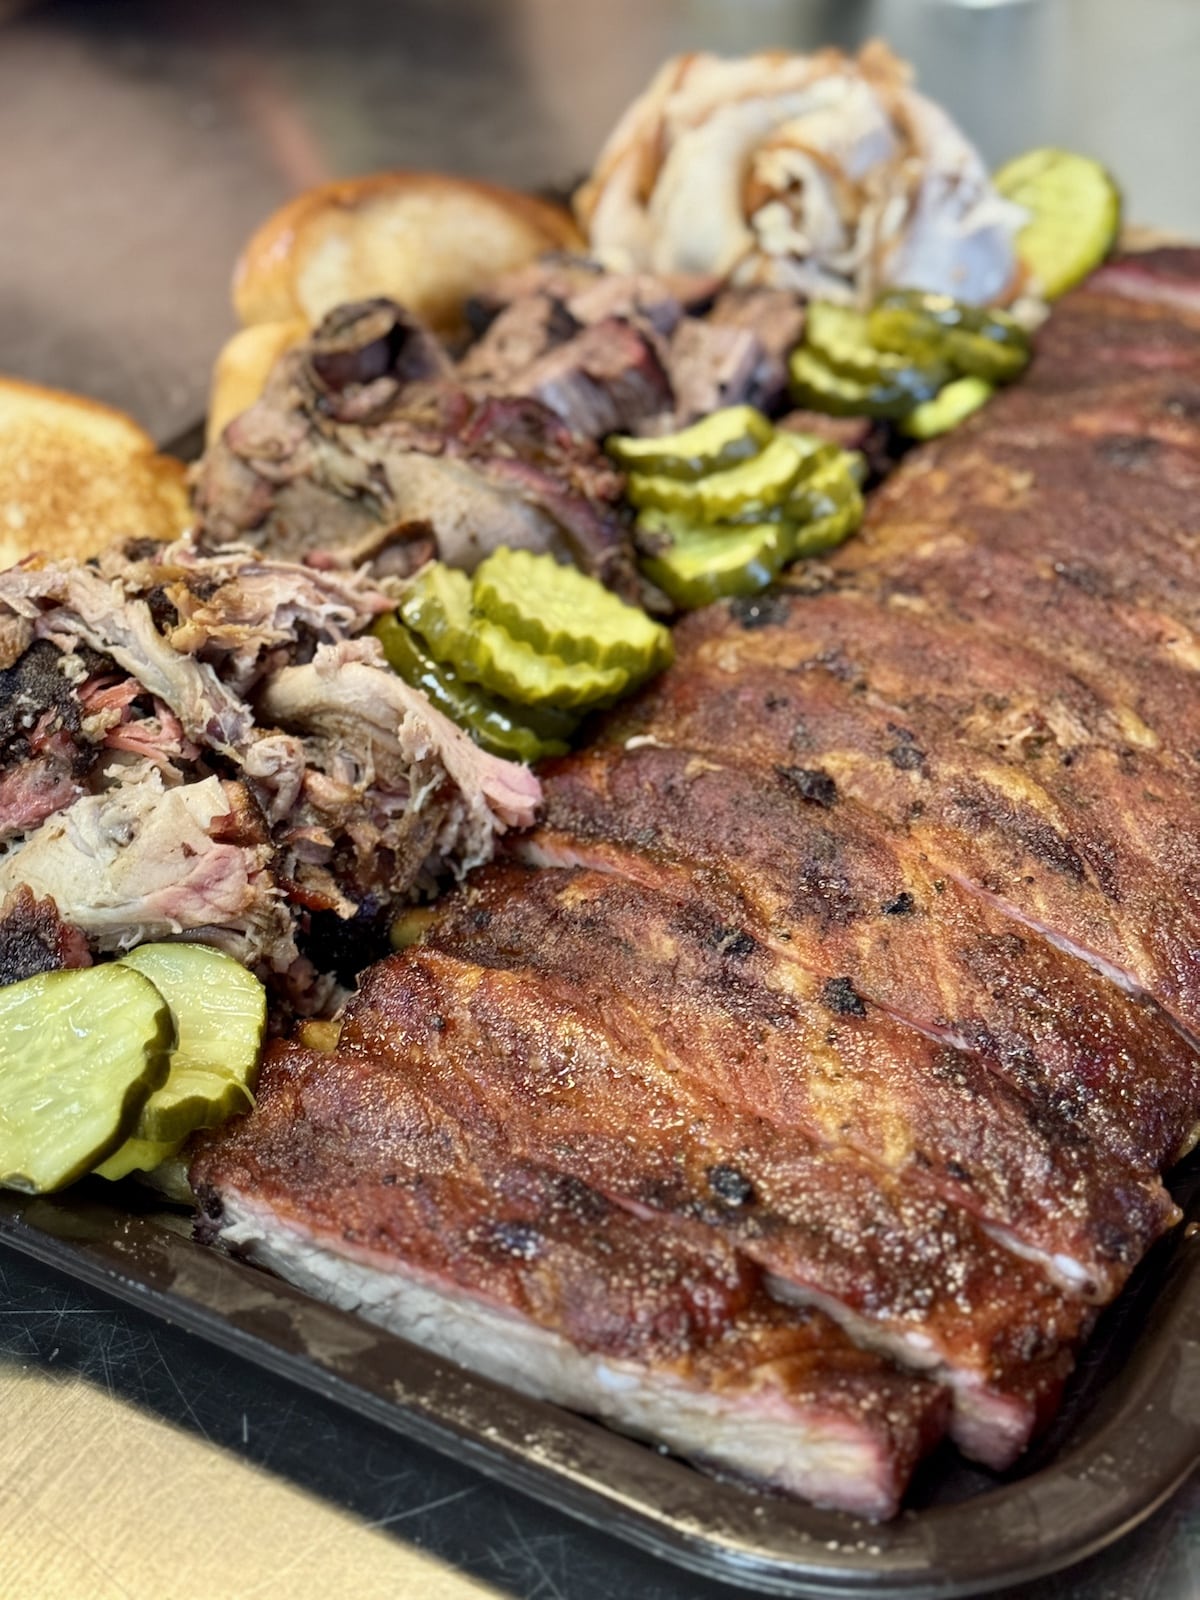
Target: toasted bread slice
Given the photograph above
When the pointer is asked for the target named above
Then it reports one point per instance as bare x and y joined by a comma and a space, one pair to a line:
242, 369
424, 238
76, 475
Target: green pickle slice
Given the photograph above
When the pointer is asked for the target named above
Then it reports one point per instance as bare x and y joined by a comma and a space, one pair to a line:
746, 491
560, 611
509, 667
955, 404
842, 339
839, 336
220, 1015
80, 1051
170, 1179
857, 466
718, 441
437, 605
818, 387
516, 733
706, 563
137, 1155
977, 341
1074, 211
812, 452
825, 511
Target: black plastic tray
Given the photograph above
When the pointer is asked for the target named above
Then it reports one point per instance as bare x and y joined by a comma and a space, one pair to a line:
1128, 1435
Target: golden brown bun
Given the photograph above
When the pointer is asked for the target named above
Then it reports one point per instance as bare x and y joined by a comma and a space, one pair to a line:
76, 476
243, 367
424, 238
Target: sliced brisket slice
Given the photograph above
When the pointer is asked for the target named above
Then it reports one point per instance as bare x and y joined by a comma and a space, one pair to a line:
776, 319
712, 365
380, 468
587, 293
353, 1183
613, 1084
605, 378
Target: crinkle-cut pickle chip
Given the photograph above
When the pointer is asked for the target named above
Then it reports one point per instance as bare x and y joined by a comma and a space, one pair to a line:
716, 563
509, 667
810, 450
745, 491
220, 1015
561, 611
817, 386
80, 1052
975, 341
437, 605
716, 442
825, 511
841, 338
957, 401
516, 733
1074, 209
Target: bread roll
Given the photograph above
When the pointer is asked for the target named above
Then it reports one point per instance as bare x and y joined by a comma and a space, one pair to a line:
426, 239
76, 475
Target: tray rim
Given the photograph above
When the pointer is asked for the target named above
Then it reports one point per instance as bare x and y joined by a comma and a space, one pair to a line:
1055, 1517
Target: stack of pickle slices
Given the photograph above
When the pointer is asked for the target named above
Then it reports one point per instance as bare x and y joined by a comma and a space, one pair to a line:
725, 504
518, 653
924, 361
111, 1068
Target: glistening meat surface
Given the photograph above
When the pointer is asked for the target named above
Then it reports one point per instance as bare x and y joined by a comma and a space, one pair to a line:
527, 1274
837, 856
800, 1050
614, 1079
866, 940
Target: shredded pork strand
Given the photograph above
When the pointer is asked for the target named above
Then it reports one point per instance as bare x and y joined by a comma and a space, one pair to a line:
141, 862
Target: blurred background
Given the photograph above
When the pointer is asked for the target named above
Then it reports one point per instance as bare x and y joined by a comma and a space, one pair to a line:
143, 142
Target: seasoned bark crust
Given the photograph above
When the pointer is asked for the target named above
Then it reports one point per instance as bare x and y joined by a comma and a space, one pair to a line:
860, 949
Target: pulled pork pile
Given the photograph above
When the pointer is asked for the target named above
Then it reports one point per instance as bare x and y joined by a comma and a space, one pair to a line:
202, 745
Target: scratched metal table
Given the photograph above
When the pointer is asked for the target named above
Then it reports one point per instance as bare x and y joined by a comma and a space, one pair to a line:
139, 144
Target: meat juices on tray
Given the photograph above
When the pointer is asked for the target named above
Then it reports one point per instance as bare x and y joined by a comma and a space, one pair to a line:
862, 945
